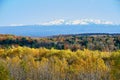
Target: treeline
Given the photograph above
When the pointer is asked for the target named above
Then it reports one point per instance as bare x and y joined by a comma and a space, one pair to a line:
23, 63
102, 42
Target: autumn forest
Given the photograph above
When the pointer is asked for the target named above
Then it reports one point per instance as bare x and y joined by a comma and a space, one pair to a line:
68, 57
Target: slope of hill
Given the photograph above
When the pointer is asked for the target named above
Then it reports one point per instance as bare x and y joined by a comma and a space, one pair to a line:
97, 41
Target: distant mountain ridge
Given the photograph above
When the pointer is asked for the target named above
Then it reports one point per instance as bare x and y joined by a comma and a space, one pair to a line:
61, 29
77, 22
71, 22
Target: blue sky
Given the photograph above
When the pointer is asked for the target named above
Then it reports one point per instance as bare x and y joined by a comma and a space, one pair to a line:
37, 11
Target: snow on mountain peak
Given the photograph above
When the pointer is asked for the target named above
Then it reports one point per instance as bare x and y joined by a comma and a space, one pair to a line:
55, 22
77, 22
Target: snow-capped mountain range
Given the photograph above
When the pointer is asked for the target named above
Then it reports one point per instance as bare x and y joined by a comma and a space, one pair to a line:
61, 26
71, 22
77, 22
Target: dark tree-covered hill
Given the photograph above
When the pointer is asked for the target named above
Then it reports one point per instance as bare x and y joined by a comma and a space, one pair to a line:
96, 41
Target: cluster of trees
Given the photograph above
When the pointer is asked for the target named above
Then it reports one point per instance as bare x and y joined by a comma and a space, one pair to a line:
102, 42
24, 63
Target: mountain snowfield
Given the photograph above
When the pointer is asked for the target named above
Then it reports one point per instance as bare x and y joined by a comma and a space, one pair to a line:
77, 22
71, 22
61, 27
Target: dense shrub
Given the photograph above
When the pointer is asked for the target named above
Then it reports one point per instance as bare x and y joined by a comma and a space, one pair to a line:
23, 63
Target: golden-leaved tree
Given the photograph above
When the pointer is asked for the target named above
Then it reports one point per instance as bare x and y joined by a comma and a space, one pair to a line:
23, 63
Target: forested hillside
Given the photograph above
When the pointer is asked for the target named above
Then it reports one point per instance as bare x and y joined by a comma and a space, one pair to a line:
63, 57
23, 63
102, 42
